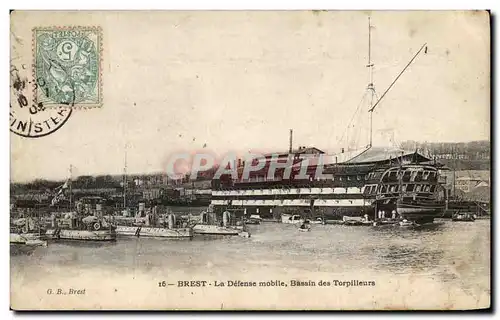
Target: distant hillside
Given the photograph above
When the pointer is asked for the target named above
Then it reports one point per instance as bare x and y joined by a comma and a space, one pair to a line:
474, 150
474, 155
466, 164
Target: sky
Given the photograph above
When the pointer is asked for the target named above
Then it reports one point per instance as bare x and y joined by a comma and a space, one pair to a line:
238, 81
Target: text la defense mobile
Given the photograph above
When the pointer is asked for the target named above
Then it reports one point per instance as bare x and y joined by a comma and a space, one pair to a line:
277, 283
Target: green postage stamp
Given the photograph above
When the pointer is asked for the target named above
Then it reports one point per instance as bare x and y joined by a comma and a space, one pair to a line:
68, 66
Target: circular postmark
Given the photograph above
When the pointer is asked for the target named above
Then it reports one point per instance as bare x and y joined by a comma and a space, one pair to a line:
30, 119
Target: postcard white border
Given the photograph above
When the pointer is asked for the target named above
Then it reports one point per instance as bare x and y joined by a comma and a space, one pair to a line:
196, 5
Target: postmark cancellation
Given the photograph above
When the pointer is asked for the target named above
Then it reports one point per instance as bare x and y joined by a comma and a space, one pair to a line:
67, 66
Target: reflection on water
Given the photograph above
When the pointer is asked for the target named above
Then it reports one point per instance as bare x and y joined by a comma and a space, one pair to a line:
446, 252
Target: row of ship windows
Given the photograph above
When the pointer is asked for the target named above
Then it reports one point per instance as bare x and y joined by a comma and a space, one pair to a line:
334, 178
404, 188
342, 178
408, 175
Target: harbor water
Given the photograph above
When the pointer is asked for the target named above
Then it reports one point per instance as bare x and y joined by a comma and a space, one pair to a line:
442, 266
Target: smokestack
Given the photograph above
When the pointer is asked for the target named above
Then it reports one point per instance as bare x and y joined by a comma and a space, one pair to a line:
291, 140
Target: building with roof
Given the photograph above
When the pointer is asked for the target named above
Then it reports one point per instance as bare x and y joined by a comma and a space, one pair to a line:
467, 180
467, 184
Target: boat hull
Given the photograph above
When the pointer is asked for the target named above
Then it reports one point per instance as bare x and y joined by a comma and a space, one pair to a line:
69, 234
415, 211
358, 223
464, 217
252, 221
316, 222
156, 232
16, 238
337, 222
291, 219
215, 230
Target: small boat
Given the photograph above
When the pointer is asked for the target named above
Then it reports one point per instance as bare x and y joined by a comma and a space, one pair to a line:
291, 219
252, 221
210, 226
211, 229
157, 232
304, 227
36, 243
406, 223
16, 238
26, 231
32, 239
271, 220
244, 234
385, 222
256, 217
153, 225
339, 222
75, 234
72, 227
465, 217
380, 223
481, 217
318, 220
80, 222
356, 221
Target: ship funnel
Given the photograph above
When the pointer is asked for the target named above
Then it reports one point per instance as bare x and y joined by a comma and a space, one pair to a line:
226, 218
171, 221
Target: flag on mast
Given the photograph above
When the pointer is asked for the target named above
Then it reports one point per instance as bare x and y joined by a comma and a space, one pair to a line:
60, 193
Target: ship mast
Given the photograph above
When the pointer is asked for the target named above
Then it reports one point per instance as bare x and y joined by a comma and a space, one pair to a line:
125, 181
370, 87
374, 98
70, 187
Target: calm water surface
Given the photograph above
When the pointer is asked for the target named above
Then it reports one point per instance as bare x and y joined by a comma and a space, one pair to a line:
452, 254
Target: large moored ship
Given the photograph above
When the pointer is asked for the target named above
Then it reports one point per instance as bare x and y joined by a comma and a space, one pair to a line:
377, 180
373, 181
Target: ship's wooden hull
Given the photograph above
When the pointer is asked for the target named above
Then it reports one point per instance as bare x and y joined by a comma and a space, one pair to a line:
420, 211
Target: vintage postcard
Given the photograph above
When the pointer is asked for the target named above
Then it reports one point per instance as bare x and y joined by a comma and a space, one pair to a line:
250, 160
